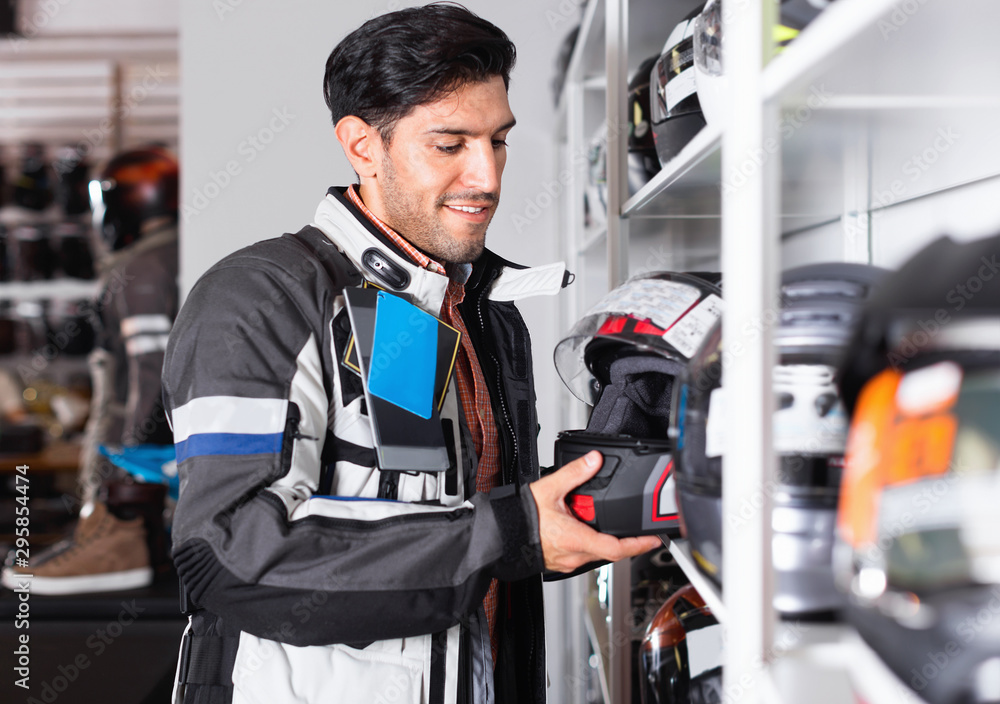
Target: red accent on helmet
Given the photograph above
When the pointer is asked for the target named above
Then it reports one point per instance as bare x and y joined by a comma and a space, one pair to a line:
645, 327
613, 325
656, 495
582, 507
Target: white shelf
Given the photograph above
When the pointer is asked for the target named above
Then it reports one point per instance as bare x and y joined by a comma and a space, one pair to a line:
870, 676
51, 288
877, 104
831, 664
587, 59
687, 186
113, 46
708, 591
886, 48
886, 83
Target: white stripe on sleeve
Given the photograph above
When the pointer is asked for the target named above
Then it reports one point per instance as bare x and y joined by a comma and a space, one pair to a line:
230, 414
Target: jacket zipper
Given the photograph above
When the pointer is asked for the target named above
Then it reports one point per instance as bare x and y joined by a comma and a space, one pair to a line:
291, 434
509, 467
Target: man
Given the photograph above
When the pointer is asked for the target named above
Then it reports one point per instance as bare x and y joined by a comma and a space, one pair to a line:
352, 584
119, 542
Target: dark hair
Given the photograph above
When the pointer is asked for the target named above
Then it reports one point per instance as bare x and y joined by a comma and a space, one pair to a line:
398, 61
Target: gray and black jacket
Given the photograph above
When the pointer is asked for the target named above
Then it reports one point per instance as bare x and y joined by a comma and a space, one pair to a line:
349, 584
132, 316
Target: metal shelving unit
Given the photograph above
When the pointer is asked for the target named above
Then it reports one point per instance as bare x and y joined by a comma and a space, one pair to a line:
870, 134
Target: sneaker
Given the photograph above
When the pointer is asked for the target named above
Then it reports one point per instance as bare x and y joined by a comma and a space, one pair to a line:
105, 554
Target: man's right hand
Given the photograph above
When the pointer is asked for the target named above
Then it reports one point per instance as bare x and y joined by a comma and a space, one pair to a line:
567, 542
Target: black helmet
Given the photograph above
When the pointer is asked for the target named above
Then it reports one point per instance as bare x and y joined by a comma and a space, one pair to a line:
680, 657
622, 358
135, 186
643, 163
819, 306
73, 174
33, 187
675, 112
710, 78
918, 551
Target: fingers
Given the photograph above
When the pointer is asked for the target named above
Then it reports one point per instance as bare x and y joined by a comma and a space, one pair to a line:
573, 474
601, 546
568, 544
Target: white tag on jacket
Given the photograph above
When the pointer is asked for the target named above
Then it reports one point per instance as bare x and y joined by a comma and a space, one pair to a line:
515, 284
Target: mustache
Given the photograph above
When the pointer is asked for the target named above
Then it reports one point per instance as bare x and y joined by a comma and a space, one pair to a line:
470, 197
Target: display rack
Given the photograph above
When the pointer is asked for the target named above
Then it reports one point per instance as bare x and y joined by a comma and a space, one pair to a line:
870, 134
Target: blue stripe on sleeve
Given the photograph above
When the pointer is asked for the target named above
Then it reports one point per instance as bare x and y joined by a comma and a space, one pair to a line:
228, 444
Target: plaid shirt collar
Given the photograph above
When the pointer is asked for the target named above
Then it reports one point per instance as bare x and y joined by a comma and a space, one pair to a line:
418, 257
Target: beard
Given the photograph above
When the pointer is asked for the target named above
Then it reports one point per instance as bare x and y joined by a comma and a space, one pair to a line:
425, 229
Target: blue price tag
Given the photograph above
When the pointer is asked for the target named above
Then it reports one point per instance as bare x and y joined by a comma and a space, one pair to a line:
404, 355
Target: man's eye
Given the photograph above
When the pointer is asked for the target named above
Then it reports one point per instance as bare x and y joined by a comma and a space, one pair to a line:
447, 148
497, 143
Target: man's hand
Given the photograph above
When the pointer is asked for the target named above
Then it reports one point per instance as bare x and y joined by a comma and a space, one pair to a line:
568, 543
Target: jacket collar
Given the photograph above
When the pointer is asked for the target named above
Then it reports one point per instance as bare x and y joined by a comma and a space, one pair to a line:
356, 235
364, 246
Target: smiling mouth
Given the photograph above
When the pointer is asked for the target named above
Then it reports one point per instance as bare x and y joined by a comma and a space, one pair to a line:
466, 208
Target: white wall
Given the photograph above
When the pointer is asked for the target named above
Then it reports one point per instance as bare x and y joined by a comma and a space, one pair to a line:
256, 68
53, 17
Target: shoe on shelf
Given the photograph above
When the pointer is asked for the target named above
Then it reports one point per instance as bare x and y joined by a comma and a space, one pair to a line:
105, 554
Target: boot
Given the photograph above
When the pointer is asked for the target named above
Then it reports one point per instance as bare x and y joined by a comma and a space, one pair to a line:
128, 500
104, 554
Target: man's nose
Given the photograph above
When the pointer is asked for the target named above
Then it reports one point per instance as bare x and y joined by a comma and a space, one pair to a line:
482, 168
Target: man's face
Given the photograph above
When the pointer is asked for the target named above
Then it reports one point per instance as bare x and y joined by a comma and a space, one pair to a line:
439, 181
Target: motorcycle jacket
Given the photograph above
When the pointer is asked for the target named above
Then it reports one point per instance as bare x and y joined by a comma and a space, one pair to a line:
311, 575
132, 315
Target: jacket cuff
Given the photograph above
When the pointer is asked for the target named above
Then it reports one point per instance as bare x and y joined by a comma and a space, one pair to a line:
517, 519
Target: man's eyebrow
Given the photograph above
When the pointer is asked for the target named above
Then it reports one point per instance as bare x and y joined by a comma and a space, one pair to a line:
469, 133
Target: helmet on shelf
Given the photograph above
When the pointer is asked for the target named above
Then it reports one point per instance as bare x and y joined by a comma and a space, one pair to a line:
675, 111
33, 187
643, 163
918, 552
622, 358
710, 79
680, 657
135, 186
73, 174
819, 306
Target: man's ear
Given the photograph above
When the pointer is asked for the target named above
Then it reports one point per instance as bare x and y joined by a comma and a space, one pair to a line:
362, 145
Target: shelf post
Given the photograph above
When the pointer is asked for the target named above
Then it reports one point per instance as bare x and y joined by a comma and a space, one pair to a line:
749, 258
616, 65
